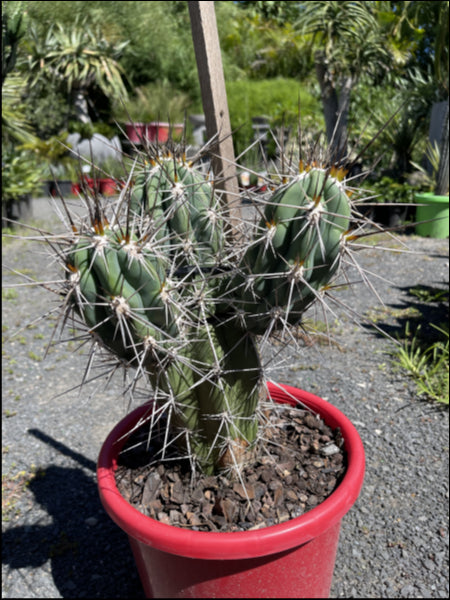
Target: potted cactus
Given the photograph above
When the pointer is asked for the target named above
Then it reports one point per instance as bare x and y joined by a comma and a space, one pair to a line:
161, 282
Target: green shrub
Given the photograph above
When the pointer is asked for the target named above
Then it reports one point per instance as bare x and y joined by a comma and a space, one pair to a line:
390, 191
21, 174
278, 99
159, 101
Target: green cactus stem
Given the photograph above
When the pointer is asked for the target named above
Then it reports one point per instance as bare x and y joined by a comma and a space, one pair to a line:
295, 253
161, 288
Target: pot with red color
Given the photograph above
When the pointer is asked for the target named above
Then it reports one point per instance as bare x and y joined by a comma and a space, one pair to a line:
294, 559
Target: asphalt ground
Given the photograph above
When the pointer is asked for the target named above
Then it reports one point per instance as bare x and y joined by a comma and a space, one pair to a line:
59, 543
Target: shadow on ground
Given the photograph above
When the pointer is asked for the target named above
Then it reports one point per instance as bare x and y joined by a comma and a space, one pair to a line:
89, 555
423, 307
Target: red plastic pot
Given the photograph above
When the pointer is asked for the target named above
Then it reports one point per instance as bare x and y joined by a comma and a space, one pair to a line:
294, 559
136, 132
155, 131
108, 186
158, 131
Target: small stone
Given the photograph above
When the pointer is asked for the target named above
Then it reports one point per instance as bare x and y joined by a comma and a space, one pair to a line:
275, 484
329, 450
291, 495
278, 496
174, 516
193, 519
312, 500
315, 423
247, 492
164, 518
197, 495
210, 483
314, 446
283, 516
154, 507
259, 491
229, 510
265, 475
151, 488
173, 476
176, 492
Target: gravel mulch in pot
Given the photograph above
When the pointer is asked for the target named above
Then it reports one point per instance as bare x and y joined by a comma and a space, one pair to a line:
301, 464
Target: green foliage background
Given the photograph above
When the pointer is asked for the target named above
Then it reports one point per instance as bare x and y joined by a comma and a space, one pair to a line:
268, 64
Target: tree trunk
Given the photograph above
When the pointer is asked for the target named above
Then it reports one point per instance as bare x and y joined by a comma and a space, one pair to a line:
336, 105
81, 106
442, 175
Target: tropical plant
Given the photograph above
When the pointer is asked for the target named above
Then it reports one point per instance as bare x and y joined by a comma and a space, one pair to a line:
21, 177
441, 185
154, 102
79, 59
348, 42
15, 127
53, 154
278, 98
13, 29
179, 291
433, 156
389, 190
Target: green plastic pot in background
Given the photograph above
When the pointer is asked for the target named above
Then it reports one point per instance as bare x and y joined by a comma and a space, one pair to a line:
434, 210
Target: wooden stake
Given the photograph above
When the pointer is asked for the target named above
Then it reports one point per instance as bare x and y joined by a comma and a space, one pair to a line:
214, 98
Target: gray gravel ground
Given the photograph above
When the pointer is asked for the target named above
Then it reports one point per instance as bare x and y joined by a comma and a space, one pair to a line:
59, 543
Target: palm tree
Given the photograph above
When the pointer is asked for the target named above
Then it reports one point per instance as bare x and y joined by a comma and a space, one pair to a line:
15, 127
81, 59
347, 42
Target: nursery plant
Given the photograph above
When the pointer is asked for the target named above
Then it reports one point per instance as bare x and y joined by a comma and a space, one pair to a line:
187, 296
160, 282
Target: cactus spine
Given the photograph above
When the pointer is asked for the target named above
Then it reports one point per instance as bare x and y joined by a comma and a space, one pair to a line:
158, 285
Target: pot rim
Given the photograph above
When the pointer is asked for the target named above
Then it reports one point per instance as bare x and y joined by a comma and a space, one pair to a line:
432, 198
238, 544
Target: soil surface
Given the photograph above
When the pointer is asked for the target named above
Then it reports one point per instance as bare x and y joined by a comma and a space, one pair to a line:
300, 465
57, 540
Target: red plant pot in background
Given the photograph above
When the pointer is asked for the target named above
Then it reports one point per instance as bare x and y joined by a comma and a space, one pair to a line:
136, 132
294, 559
108, 186
156, 131
89, 181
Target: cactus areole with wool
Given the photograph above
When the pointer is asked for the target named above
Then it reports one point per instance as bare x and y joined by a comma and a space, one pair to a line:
157, 283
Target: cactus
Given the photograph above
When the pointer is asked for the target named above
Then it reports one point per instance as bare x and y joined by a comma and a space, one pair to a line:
158, 284
295, 253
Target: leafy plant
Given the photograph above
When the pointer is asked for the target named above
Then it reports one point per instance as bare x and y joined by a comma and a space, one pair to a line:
277, 98
433, 155
348, 42
78, 59
427, 364
21, 174
154, 102
54, 156
13, 29
389, 191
